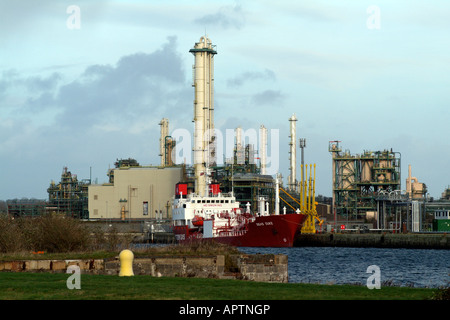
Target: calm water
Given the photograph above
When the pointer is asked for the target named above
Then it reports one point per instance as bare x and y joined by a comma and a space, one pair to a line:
334, 265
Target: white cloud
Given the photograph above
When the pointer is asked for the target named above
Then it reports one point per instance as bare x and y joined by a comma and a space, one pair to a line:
250, 76
227, 17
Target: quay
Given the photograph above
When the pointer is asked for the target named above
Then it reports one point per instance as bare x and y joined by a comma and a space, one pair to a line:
383, 240
161, 233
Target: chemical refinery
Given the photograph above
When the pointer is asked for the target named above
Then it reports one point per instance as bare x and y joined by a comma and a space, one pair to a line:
367, 192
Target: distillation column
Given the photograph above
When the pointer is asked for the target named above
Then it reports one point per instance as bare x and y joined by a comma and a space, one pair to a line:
164, 123
240, 154
203, 83
293, 154
263, 148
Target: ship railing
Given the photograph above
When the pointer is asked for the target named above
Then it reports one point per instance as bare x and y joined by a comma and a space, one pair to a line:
218, 195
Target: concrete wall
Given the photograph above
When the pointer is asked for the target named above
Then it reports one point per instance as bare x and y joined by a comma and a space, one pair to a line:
418, 241
137, 191
263, 268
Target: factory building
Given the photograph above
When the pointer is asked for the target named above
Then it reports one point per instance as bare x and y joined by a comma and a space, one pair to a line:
135, 192
367, 193
69, 196
358, 179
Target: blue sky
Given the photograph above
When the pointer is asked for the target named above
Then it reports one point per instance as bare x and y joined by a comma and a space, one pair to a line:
84, 97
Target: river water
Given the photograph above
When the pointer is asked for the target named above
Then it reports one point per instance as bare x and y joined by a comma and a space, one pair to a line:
422, 268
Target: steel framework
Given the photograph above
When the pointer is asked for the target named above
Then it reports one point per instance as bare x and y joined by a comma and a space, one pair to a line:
358, 179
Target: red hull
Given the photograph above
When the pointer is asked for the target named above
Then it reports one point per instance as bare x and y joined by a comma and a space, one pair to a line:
268, 231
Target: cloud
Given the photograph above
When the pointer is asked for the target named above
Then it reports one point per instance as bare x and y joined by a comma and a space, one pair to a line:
227, 17
38, 83
244, 77
268, 97
138, 88
20, 94
317, 12
105, 112
12, 78
137, 85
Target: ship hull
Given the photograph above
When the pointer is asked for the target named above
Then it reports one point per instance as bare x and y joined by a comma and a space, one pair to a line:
266, 231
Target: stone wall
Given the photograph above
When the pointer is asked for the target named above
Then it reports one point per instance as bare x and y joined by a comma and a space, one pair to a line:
96, 266
185, 266
264, 268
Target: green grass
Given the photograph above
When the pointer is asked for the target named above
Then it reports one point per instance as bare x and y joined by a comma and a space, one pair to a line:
189, 249
48, 286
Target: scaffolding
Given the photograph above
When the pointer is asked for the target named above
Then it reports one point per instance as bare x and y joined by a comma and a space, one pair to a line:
358, 179
70, 196
25, 207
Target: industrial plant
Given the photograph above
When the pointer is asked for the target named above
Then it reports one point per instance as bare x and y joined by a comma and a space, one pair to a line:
367, 194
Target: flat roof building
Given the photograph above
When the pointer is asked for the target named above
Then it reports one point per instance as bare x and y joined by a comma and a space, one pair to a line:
135, 193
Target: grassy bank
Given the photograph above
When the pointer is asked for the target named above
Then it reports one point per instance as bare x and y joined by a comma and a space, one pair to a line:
204, 248
64, 238
47, 286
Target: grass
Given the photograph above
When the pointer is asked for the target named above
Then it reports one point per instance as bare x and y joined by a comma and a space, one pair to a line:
64, 238
188, 249
48, 286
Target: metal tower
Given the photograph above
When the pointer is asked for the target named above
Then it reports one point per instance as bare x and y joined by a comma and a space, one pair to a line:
203, 83
292, 184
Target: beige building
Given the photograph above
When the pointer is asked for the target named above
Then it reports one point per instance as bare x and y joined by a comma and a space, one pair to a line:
135, 193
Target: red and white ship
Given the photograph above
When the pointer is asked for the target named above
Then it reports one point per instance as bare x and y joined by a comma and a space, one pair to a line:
219, 217
209, 214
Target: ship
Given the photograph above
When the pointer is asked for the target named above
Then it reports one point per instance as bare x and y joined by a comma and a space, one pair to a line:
221, 218
207, 213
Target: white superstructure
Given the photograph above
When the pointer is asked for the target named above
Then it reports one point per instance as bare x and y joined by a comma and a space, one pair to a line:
214, 215
185, 209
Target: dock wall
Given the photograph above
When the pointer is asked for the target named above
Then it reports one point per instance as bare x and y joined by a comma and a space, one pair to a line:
261, 268
388, 240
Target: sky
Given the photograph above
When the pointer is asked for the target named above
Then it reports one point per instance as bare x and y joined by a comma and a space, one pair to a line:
84, 83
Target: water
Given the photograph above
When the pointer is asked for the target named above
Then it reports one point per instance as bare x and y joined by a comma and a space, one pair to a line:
424, 268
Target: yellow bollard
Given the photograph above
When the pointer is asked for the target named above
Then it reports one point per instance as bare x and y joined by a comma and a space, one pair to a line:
126, 263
